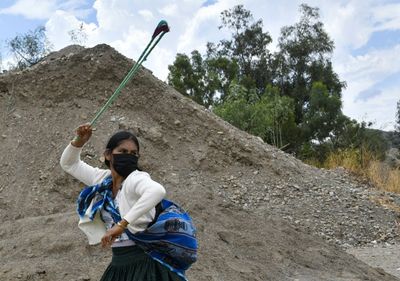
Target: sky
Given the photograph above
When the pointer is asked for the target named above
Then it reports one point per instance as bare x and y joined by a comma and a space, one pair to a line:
366, 34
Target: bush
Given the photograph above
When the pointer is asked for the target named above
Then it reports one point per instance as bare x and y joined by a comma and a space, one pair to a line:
384, 177
366, 165
30, 48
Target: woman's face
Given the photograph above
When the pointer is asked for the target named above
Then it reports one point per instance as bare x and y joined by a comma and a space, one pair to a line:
125, 147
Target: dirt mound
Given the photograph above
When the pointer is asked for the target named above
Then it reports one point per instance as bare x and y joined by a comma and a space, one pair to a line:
261, 214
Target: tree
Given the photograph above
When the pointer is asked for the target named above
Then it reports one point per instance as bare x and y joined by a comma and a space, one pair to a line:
247, 47
290, 97
245, 58
30, 48
397, 123
322, 112
201, 79
238, 108
221, 71
274, 115
303, 59
270, 117
187, 75
350, 136
1, 62
78, 35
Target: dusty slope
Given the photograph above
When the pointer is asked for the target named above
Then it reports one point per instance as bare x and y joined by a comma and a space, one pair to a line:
237, 188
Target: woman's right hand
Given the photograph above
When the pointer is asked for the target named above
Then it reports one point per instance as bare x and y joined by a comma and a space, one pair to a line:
83, 134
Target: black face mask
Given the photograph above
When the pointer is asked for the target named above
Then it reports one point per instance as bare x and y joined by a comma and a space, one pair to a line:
124, 164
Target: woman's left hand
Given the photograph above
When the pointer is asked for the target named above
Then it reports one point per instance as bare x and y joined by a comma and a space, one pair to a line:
111, 235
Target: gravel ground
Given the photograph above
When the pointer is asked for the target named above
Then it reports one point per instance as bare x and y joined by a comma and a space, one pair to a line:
385, 256
331, 204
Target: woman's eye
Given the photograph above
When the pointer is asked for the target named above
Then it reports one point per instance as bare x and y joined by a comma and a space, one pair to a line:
124, 151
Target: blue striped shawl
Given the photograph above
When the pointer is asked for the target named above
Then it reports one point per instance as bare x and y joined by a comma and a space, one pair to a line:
170, 238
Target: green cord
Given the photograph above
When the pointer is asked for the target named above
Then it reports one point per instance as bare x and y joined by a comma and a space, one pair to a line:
128, 77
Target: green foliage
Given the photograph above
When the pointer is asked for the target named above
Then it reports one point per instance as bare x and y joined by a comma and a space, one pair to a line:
221, 71
1, 56
271, 117
238, 107
348, 135
30, 48
303, 59
352, 136
314, 153
291, 98
304, 73
275, 116
188, 76
361, 136
248, 47
180, 74
201, 79
322, 112
397, 123
373, 141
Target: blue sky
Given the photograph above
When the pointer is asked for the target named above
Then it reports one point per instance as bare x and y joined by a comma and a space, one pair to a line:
366, 35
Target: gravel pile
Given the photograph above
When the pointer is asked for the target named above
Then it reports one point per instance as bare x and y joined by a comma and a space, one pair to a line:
331, 204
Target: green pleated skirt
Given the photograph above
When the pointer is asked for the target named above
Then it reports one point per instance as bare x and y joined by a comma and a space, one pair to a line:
133, 264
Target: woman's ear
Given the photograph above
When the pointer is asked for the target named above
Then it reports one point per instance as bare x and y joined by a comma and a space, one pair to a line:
107, 154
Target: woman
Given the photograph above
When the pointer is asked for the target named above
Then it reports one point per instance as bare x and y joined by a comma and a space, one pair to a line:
130, 191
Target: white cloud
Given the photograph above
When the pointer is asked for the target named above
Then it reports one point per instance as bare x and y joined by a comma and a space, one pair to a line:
387, 16
31, 9
364, 72
380, 110
61, 23
131, 43
169, 10
7, 62
367, 94
349, 23
191, 38
373, 66
114, 16
146, 14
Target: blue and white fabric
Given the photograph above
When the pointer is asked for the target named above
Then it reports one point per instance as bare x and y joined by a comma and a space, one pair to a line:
170, 238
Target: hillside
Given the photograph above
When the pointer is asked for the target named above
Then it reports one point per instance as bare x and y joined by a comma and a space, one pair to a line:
261, 214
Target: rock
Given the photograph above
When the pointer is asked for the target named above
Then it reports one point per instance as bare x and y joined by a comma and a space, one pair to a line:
225, 236
16, 115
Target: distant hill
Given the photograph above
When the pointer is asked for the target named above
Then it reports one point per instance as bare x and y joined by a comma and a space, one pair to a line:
393, 138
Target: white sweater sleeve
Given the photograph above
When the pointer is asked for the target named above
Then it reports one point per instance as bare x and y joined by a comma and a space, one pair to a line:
71, 163
149, 194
